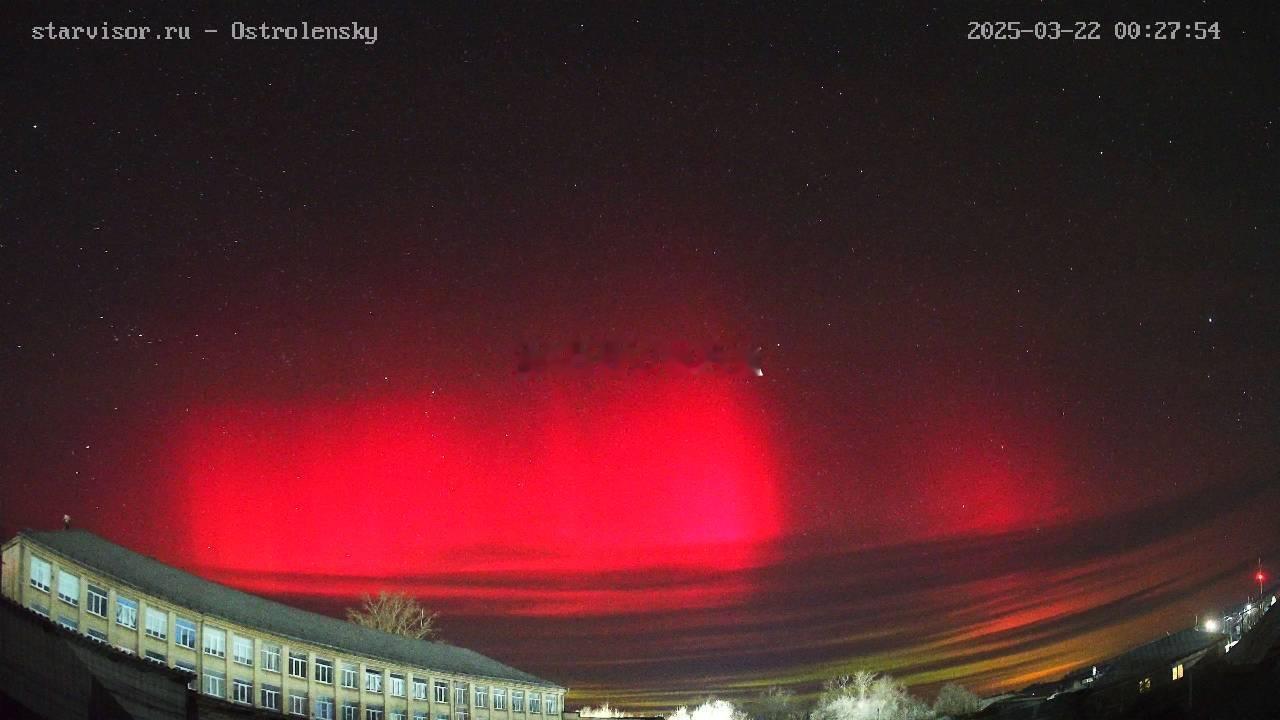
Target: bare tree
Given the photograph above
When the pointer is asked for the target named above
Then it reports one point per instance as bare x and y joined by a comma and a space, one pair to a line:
396, 613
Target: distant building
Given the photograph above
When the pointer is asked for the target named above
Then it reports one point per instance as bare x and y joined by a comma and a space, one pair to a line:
255, 652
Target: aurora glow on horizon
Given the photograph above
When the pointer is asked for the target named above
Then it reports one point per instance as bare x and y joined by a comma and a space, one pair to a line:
265, 306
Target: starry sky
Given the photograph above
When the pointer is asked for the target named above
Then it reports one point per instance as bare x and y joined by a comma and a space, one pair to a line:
475, 311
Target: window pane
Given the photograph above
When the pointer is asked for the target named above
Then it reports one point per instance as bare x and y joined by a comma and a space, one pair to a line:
157, 623
41, 574
126, 612
68, 587
215, 642
184, 633
96, 601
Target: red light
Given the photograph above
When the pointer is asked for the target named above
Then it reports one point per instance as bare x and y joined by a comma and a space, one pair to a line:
1258, 577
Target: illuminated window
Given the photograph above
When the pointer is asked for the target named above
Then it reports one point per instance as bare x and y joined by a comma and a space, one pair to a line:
499, 698
157, 623
517, 701
535, 703
96, 601
68, 588
324, 671
184, 633
298, 664
41, 574
242, 691
297, 704
1177, 671
419, 689
242, 650
215, 683
349, 673
1144, 685
373, 681
126, 612
395, 684
215, 642
460, 694
271, 657
481, 696
442, 692
271, 697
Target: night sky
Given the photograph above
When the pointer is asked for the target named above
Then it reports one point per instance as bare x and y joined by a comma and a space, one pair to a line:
301, 317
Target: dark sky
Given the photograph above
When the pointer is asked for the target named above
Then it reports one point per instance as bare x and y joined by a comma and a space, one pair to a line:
263, 305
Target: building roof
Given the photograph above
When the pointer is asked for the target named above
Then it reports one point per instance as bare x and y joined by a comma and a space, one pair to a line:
1164, 651
187, 590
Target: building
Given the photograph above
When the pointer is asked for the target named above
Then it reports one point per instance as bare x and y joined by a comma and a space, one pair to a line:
255, 652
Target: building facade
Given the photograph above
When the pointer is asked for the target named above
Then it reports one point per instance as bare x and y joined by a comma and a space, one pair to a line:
256, 652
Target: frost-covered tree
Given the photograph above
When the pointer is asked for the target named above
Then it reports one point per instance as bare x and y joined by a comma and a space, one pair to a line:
867, 696
955, 700
709, 710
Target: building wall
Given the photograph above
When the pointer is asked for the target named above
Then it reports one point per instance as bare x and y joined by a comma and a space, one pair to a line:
18, 553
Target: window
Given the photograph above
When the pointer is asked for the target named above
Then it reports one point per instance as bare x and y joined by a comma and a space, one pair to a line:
271, 657
552, 703
157, 623
460, 694
419, 715
271, 697
126, 650
96, 635
349, 673
397, 715
517, 701
395, 683
215, 642
41, 574
96, 601
442, 692
324, 708
242, 650
419, 689
350, 712
69, 623
324, 671
1177, 671
215, 683
535, 703
68, 588
373, 712
298, 664
184, 633
460, 714
190, 669
1144, 685
499, 698
373, 681
297, 704
481, 696
157, 657
126, 612
242, 691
